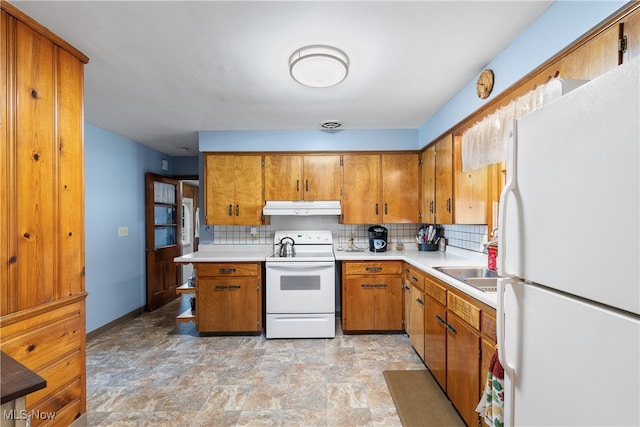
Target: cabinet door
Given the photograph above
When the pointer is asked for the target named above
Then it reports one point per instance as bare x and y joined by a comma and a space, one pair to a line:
406, 288
233, 189
388, 303
358, 304
463, 365
321, 177
227, 304
247, 184
219, 199
471, 191
435, 340
444, 180
283, 177
594, 58
361, 198
416, 327
631, 29
429, 185
400, 188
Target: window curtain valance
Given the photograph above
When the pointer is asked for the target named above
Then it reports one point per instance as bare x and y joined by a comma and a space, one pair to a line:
486, 141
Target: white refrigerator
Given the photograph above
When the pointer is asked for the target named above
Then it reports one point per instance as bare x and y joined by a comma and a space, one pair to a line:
569, 245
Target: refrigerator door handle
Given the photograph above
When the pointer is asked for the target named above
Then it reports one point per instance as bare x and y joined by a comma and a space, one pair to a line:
502, 353
511, 186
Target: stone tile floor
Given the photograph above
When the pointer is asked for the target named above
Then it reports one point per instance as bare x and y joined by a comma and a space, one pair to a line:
151, 371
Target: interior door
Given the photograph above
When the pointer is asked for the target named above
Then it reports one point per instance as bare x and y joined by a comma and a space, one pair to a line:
163, 231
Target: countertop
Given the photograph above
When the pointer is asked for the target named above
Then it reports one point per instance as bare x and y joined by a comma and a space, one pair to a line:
18, 380
425, 261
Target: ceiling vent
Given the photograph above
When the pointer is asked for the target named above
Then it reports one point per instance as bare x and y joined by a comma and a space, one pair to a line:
330, 124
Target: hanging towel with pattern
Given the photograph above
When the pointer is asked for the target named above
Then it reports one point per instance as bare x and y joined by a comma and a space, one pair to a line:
491, 406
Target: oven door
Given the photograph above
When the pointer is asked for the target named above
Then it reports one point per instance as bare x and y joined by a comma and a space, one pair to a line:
300, 287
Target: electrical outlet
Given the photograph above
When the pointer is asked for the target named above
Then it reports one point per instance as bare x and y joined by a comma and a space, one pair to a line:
123, 231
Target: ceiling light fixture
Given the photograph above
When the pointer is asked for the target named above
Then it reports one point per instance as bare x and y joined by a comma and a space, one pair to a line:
319, 66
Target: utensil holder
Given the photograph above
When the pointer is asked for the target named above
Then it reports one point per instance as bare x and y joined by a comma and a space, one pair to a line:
427, 247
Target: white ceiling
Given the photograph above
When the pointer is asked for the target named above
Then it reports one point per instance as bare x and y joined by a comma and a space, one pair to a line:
160, 71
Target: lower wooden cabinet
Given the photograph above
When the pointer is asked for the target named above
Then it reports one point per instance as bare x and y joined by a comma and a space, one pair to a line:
416, 310
372, 296
229, 297
463, 366
459, 337
51, 343
435, 331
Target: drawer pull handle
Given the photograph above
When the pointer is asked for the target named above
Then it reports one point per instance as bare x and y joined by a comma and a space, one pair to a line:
419, 301
223, 287
451, 329
440, 319
373, 269
227, 270
414, 278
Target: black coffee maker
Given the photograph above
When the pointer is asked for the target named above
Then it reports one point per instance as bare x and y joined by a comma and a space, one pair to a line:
378, 238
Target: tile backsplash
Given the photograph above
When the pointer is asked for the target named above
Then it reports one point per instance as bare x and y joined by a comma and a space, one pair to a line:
471, 237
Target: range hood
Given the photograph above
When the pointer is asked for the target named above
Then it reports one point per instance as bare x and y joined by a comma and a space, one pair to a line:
302, 208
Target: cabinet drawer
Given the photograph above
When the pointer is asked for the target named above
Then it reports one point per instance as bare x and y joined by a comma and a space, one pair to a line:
40, 345
437, 292
225, 269
415, 278
465, 310
488, 325
385, 267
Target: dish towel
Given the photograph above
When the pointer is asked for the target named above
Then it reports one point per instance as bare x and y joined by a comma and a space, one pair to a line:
491, 405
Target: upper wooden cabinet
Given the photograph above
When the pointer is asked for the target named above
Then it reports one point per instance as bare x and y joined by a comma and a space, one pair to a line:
471, 190
631, 30
380, 188
233, 189
429, 185
296, 177
437, 182
400, 196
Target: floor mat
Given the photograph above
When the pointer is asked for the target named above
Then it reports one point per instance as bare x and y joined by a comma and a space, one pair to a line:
419, 400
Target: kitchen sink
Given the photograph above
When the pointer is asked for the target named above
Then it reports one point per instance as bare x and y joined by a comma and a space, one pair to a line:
485, 284
480, 278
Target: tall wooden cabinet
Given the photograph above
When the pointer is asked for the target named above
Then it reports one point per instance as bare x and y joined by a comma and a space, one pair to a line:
42, 298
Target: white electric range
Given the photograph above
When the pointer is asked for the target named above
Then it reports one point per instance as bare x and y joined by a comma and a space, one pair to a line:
300, 289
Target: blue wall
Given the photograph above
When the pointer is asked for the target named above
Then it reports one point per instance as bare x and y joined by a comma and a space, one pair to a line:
309, 140
114, 197
562, 24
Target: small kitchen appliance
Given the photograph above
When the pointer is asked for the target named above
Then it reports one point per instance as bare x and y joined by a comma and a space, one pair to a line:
378, 238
